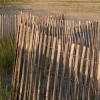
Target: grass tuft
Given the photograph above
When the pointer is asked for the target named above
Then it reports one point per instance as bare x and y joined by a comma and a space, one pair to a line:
7, 53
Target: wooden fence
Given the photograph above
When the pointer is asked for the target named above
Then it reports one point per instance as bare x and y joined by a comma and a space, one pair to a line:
55, 61
80, 32
8, 24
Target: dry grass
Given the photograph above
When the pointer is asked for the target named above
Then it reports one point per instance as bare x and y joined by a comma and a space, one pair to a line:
64, 7
73, 9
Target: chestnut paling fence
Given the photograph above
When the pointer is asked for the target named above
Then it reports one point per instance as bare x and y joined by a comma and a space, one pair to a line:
8, 24
56, 60
82, 32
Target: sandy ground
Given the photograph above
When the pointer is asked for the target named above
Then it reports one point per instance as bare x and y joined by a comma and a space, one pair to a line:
80, 11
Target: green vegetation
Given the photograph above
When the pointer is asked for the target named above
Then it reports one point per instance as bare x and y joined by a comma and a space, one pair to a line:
7, 52
0, 90
4, 95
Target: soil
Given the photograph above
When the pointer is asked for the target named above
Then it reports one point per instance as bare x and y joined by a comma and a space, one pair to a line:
73, 10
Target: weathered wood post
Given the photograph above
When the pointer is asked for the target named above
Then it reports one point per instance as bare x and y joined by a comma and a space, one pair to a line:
98, 75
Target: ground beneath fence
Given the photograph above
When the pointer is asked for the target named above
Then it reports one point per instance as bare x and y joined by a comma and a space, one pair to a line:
72, 10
